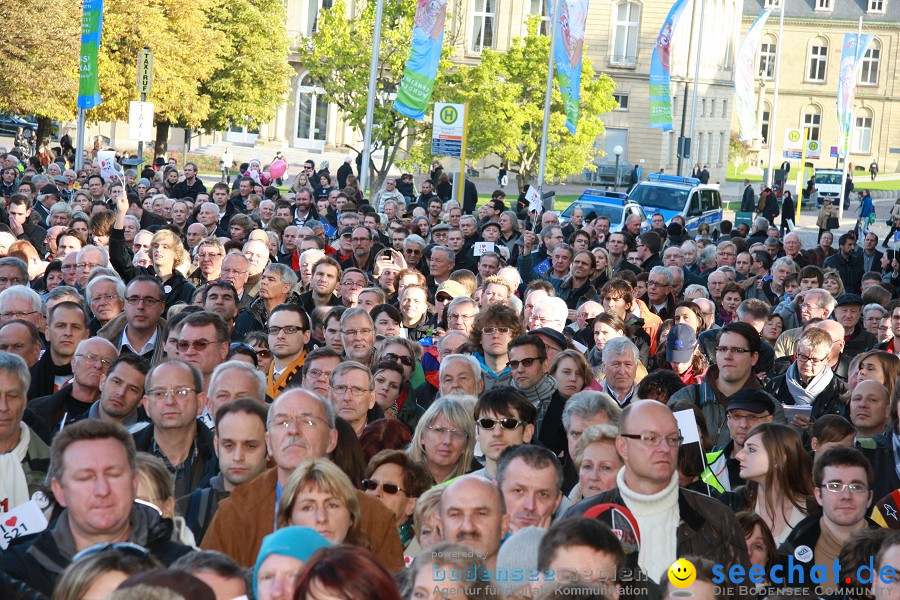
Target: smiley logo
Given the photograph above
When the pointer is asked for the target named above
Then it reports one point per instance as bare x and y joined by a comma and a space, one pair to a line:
682, 573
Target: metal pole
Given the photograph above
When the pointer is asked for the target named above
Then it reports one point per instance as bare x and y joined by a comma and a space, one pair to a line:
141, 142
548, 94
79, 140
684, 98
841, 199
772, 129
697, 80
616, 186
370, 104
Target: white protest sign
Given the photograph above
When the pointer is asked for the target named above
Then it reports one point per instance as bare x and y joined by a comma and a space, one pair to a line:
25, 519
482, 247
534, 199
108, 167
687, 425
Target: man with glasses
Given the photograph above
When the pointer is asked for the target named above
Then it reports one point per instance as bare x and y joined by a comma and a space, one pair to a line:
139, 329
660, 298
529, 367
21, 303
105, 296
317, 370
461, 313
94, 478
289, 332
413, 250
210, 256
843, 480
275, 287
203, 342
13, 272
173, 397
816, 303
236, 271
683, 522
353, 394
503, 419
92, 359
353, 281
358, 335
89, 258
300, 427
493, 329
648, 246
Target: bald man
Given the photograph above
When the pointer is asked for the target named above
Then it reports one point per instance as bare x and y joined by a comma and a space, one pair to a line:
473, 513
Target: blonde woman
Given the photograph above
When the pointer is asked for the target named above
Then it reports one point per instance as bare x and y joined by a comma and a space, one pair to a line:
597, 461
444, 439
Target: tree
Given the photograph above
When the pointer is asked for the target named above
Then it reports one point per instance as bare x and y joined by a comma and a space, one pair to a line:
253, 77
40, 60
185, 53
338, 56
738, 150
505, 93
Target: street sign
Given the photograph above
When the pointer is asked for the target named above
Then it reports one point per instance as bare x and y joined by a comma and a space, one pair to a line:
813, 149
793, 154
140, 121
834, 152
793, 140
145, 71
448, 129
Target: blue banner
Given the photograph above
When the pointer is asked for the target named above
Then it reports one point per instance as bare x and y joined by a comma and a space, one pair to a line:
855, 47
660, 68
569, 45
424, 57
88, 76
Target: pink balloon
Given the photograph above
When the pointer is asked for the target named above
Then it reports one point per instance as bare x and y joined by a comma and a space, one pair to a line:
277, 169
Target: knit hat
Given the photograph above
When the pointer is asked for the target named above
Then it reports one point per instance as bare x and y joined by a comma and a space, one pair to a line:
519, 553
143, 181
295, 542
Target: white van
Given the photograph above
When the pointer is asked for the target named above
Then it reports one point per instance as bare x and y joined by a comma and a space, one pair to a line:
828, 185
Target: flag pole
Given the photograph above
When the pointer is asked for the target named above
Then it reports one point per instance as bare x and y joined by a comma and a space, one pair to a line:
770, 178
548, 95
697, 80
847, 155
370, 102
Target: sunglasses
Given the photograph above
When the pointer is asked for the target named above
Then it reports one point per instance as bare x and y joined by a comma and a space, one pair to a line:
128, 548
370, 485
403, 360
525, 362
505, 423
198, 345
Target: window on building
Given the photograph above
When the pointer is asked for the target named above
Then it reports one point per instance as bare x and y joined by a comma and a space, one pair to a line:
707, 147
626, 29
818, 59
670, 148
868, 68
712, 107
812, 120
622, 99
724, 108
861, 137
483, 20
720, 153
876, 6
539, 7
767, 51
764, 125
702, 107
313, 17
772, 3
823, 4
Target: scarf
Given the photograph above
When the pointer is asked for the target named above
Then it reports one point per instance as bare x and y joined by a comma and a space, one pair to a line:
540, 395
808, 394
12, 476
276, 386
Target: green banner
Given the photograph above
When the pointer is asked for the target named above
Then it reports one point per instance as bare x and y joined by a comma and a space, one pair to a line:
88, 76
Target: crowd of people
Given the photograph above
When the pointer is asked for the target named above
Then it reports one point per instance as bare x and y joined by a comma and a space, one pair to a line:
253, 391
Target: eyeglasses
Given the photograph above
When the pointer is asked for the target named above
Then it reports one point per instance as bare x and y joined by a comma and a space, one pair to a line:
525, 362
147, 300
88, 266
731, 350
94, 358
316, 373
123, 547
456, 434
657, 284
403, 360
745, 418
505, 423
370, 485
12, 280
356, 392
204, 255
233, 272
490, 330
198, 345
457, 317
836, 487
355, 332
18, 314
654, 439
163, 393
304, 421
104, 298
809, 359
288, 329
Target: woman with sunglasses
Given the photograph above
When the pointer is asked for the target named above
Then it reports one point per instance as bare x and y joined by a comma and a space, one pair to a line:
406, 354
397, 482
259, 341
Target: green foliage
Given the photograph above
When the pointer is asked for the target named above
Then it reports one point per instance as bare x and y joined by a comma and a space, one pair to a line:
737, 149
505, 93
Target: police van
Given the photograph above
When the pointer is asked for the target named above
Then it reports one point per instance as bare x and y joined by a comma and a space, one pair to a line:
672, 195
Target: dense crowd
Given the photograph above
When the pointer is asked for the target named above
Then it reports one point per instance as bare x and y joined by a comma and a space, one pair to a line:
297, 392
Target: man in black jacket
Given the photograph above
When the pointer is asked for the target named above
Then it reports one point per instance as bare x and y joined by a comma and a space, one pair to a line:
190, 186
23, 227
530, 367
848, 265
94, 514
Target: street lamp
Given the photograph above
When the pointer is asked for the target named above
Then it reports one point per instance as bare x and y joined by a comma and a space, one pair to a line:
618, 152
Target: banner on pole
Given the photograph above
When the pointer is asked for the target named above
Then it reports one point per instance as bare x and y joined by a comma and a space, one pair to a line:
88, 76
660, 67
424, 58
570, 43
855, 47
745, 73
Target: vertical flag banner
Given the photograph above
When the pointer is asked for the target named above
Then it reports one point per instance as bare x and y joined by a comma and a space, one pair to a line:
570, 36
745, 73
424, 57
88, 77
855, 47
660, 66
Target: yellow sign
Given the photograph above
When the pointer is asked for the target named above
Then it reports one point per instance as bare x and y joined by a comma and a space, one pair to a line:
449, 115
682, 573
794, 136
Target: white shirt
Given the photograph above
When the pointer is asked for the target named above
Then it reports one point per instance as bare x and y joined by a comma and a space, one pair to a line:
149, 346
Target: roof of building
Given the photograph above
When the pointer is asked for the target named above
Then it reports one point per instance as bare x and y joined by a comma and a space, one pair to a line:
842, 10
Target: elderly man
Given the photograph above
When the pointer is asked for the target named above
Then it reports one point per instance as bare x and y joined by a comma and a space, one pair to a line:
89, 258
300, 427
848, 312
20, 302
461, 313
460, 374
530, 478
816, 303
13, 271
549, 312
582, 410
236, 271
353, 394
94, 478
275, 287
231, 381
24, 457
472, 512
793, 249
660, 298
620, 360
210, 255
90, 363
257, 255
530, 376
106, 297
22, 339
682, 522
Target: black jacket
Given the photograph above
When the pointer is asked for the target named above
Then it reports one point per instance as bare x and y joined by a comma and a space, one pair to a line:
56, 407
183, 190
850, 270
653, 261
203, 466
39, 561
832, 401
177, 289
883, 463
860, 341
42, 374
552, 435
748, 200
34, 234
